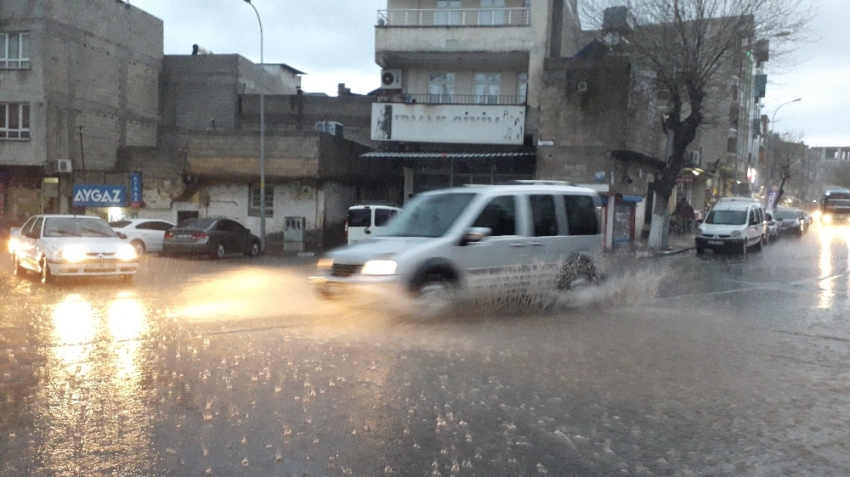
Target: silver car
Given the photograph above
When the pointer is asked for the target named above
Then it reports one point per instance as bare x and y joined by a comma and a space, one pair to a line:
71, 245
475, 236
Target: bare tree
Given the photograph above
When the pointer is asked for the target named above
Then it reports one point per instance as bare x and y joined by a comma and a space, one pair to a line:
691, 47
786, 158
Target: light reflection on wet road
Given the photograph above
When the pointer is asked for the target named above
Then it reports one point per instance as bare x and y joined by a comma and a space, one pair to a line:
685, 365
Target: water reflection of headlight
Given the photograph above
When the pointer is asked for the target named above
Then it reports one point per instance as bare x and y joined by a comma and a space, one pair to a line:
74, 327
379, 267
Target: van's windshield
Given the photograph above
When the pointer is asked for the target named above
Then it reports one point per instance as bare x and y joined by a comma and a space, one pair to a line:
727, 217
429, 215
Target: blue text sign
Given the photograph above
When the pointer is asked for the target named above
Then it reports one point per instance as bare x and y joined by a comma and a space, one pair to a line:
99, 196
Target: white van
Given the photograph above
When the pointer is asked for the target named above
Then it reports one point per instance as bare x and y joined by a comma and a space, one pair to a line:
734, 224
476, 236
366, 221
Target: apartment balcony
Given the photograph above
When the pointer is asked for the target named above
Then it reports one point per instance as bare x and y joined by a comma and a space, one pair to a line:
435, 36
461, 17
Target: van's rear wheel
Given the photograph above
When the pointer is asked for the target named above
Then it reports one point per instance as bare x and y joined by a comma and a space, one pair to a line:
576, 271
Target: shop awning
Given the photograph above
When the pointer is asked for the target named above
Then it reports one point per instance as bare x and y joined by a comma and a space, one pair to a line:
446, 155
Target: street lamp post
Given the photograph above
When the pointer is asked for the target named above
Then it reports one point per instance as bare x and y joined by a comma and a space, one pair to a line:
770, 144
262, 140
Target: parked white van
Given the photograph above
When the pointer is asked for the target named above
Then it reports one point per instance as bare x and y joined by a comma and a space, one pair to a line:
476, 236
734, 224
366, 221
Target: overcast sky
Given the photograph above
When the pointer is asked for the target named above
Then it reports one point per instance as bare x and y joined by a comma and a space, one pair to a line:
333, 41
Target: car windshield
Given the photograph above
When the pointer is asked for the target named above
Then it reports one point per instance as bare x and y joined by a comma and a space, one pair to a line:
429, 215
726, 217
201, 223
837, 204
785, 214
77, 227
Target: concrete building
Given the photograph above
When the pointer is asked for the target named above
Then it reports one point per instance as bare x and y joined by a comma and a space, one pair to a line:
489, 91
79, 81
208, 159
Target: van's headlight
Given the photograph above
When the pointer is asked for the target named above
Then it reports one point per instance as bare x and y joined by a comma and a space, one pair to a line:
735, 233
74, 254
126, 253
379, 267
699, 232
324, 264
826, 218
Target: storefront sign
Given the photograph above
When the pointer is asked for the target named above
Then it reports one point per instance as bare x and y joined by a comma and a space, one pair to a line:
135, 190
99, 196
448, 123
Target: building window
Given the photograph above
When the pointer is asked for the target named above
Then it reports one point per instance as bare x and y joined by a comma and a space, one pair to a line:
448, 13
487, 87
254, 201
522, 87
15, 50
441, 87
492, 12
14, 121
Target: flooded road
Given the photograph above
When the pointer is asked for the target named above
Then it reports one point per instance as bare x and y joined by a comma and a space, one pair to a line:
680, 365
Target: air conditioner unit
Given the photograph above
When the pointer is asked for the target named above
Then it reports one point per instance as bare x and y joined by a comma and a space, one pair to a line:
391, 79
695, 159
63, 166
331, 127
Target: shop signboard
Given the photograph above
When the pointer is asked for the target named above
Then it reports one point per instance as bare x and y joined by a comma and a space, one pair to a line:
89, 195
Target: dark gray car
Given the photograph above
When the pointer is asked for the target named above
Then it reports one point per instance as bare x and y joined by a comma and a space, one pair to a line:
214, 236
790, 222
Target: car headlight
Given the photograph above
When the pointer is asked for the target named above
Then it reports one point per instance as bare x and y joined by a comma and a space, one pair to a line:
826, 218
325, 264
126, 252
735, 233
699, 232
13, 245
74, 254
379, 267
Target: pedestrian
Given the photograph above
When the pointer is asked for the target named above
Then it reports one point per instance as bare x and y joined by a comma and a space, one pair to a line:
686, 212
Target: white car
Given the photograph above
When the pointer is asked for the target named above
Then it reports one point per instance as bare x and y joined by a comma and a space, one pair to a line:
144, 234
367, 221
71, 245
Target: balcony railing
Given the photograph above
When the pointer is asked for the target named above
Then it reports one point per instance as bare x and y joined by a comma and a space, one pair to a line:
483, 99
454, 17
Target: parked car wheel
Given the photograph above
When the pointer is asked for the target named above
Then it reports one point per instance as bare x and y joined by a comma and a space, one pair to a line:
254, 250
219, 251
139, 246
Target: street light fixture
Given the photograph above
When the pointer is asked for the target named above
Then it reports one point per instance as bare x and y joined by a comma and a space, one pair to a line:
262, 140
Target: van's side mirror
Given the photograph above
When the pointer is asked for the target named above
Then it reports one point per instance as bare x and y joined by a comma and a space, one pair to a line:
476, 234
121, 235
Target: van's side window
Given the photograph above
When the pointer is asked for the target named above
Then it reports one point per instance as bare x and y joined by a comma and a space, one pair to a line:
581, 215
543, 214
499, 216
383, 215
753, 217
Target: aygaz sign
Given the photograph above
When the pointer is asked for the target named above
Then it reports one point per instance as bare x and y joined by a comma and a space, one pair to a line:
99, 196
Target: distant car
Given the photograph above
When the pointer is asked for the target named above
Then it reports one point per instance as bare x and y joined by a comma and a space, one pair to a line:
71, 245
366, 221
144, 234
790, 222
772, 226
214, 236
